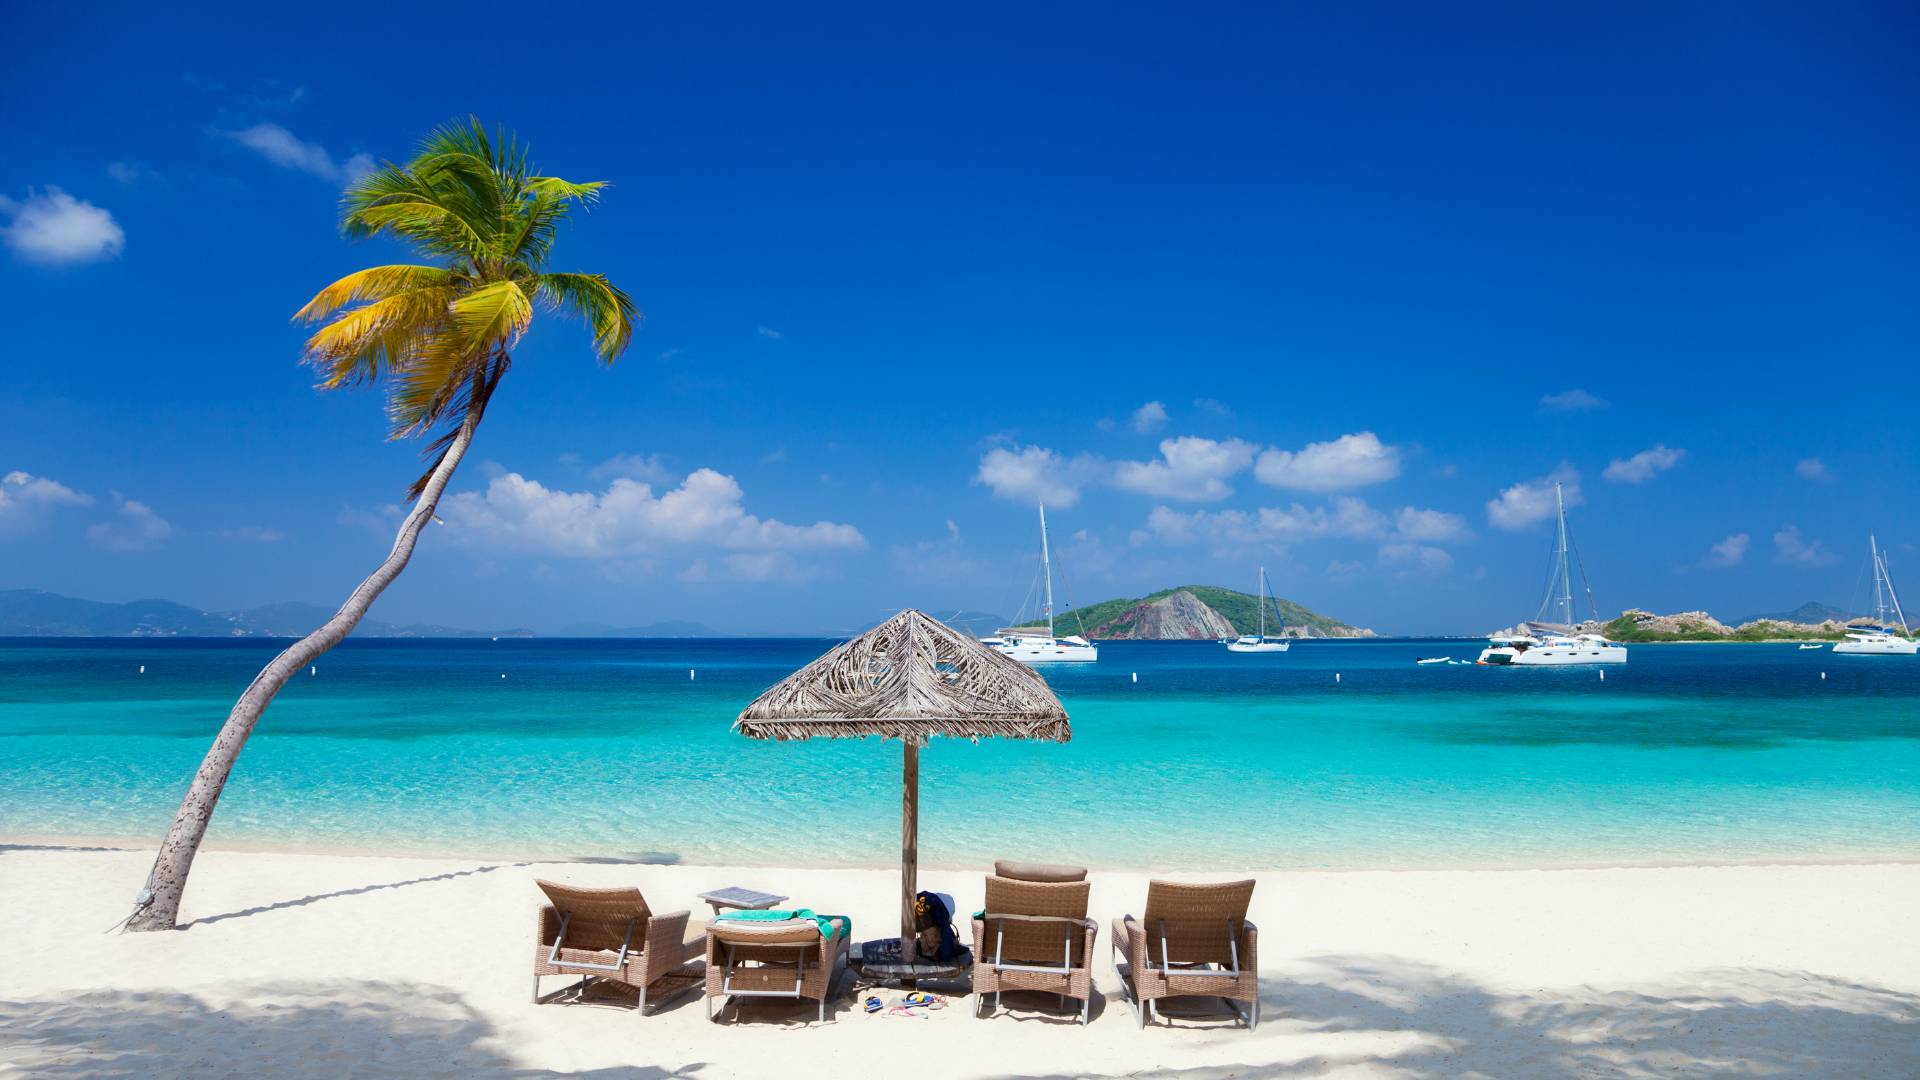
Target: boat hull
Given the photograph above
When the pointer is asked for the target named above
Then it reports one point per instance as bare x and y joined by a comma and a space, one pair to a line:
1891, 646
1042, 651
1554, 655
1259, 647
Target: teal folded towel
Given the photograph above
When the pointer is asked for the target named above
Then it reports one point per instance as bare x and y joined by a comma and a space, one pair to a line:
829, 924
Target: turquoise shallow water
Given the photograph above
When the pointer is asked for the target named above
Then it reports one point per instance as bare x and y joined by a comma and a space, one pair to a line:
606, 749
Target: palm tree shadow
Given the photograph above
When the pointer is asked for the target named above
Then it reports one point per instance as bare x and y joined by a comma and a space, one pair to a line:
1745, 1021
338, 1027
1412, 1020
355, 891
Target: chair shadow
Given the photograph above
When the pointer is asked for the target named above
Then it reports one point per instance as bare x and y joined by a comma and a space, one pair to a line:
1038, 1007
357, 890
5, 848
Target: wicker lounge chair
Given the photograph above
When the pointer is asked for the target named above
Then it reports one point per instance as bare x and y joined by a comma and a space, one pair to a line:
1194, 940
612, 934
790, 958
1035, 935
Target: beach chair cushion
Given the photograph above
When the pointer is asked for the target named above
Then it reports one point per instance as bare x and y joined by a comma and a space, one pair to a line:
1026, 871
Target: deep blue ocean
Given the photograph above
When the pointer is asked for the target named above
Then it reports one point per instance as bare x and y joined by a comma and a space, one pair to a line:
1703, 753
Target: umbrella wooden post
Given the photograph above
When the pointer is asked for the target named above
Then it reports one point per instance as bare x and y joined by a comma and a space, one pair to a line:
909, 846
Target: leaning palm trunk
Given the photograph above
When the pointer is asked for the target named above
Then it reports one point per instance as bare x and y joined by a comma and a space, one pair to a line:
157, 907
438, 336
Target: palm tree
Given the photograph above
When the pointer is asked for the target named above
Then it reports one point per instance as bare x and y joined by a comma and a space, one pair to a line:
439, 336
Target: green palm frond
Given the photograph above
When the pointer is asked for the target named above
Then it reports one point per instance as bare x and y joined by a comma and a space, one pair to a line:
609, 311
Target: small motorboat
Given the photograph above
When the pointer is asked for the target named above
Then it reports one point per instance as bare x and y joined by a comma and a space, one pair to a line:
1805, 645
1433, 659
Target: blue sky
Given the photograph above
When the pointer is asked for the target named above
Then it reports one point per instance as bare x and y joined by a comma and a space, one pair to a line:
1336, 292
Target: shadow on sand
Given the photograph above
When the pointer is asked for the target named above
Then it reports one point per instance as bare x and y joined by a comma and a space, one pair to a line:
334, 1028
357, 890
1440, 1024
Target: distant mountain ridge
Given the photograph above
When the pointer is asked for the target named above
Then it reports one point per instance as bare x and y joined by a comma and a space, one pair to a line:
35, 613
669, 628
1813, 612
1196, 612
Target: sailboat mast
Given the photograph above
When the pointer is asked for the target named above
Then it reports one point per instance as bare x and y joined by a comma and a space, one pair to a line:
1879, 574
1884, 596
1046, 566
1566, 571
1260, 601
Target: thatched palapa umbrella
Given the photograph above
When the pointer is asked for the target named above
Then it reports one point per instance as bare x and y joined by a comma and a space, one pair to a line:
910, 678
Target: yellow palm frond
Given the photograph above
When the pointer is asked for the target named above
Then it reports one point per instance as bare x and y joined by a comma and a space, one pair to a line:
491, 317
373, 283
435, 375
360, 344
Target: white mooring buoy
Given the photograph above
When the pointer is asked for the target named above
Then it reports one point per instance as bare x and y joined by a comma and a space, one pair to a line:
314, 670
689, 674
1336, 676
503, 674
1823, 675
1136, 676
143, 670
1603, 674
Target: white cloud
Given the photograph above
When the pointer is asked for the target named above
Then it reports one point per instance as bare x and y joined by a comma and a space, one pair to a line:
1644, 465
1730, 552
52, 226
1790, 547
1531, 501
253, 534
1190, 468
137, 528
1429, 525
628, 520
23, 496
289, 151
1349, 461
1415, 558
1229, 530
131, 172
1207, 404
1345, 569
1575, 400
647, 467
770, 333
1027, 473
1149, 418
1812, 469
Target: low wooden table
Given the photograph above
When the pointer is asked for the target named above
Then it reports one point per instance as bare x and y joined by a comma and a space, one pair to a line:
880, 961
734, 896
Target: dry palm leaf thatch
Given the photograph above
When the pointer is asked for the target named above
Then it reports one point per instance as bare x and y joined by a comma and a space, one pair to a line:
909, 678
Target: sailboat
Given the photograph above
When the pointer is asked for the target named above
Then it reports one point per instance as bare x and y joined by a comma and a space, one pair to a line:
1540, 643
1882, 640
1260, 642
1040, 645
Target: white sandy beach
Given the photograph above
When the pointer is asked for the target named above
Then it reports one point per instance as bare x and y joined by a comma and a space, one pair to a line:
330, 965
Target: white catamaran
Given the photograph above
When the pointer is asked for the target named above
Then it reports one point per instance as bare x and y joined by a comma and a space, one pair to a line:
1261, 643
1541, 643
1882, 640
1040, 645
